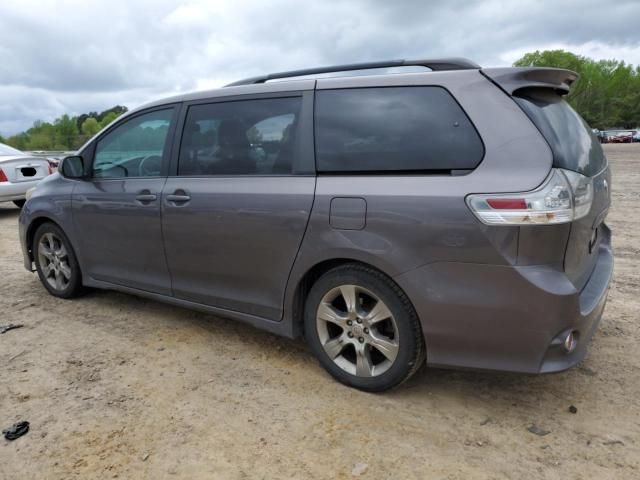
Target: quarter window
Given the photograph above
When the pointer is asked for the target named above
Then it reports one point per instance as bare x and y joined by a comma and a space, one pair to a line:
393, 129
135, 148
246, 137
571, 140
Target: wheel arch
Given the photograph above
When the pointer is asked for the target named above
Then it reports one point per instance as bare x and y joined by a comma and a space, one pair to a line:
311, 275
33, 227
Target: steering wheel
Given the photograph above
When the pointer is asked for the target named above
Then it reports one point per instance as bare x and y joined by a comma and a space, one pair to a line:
150, 166
98, 172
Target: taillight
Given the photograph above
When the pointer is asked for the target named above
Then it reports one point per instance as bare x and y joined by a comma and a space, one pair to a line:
563, 197
3, 177
52, 167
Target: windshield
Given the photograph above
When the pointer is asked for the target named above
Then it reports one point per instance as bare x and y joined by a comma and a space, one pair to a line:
574, 145
7, 150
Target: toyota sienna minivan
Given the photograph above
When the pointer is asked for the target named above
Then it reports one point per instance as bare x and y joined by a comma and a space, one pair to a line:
453, 214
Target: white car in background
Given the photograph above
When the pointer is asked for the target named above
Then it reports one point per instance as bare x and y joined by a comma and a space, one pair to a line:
19, 172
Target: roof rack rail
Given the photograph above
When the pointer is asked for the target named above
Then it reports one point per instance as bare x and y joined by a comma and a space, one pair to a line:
434, 64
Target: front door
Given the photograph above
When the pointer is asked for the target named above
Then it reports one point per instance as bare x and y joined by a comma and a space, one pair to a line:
236, 212
117, 211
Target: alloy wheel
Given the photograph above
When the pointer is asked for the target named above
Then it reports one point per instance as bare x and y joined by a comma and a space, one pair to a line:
54, 261
357, 331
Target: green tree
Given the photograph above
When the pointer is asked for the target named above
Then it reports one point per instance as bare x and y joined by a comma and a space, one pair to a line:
19, 141
118, 110
66, 132
108, 118
41, 136
90, 127
40, 141
607, 94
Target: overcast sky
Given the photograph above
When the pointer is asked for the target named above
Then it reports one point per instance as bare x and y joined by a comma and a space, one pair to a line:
78, 56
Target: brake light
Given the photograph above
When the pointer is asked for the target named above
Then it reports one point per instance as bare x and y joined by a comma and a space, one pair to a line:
565, 196
507, 203
3, 177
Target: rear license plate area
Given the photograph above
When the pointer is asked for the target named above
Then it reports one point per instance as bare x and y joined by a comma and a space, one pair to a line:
29, 173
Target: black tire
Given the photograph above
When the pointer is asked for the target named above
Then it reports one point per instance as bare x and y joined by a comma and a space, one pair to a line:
73, 287
410, 347
19, 203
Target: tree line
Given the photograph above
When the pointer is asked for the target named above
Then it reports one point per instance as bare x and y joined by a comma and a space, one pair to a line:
65, 132
607, 94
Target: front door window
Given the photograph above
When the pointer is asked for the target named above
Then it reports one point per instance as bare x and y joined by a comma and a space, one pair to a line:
135, 148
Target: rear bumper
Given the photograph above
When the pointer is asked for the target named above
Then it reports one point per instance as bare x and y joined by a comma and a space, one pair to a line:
15, 191
592, 300
505, 317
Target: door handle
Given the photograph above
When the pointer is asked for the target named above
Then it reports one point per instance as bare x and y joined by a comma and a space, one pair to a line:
179, 196
145, 196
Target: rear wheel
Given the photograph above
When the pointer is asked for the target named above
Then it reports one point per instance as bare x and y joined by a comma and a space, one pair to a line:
363, 329
19, 203
56, 262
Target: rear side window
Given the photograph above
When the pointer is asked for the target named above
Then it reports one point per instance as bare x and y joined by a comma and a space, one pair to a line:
393, 129
572, 142
246, 137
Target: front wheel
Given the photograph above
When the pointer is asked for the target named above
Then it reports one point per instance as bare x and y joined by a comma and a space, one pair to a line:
56, 262
363, 328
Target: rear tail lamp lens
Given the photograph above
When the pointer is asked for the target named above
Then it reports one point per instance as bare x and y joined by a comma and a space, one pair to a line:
582, 188
3, 177
563, 197
507, 203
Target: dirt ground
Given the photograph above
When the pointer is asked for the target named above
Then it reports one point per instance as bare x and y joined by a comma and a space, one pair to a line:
120, 387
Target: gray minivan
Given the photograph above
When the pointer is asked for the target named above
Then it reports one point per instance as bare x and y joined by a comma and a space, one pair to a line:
453, 213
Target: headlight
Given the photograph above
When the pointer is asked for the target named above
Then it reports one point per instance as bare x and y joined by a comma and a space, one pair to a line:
30, 192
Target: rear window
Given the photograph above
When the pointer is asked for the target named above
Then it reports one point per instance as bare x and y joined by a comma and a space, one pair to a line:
393, 129
572, 142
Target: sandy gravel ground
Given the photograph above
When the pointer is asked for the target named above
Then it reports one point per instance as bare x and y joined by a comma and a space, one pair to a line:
119, 387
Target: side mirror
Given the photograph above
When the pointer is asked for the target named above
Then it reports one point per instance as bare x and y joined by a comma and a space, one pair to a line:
72, 167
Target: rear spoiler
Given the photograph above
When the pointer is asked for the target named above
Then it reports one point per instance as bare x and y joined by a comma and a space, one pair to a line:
512, 79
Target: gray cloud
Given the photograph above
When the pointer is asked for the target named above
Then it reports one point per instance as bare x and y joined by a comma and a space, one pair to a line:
82, 56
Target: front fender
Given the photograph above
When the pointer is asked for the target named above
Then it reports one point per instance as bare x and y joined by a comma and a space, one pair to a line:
51, 201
